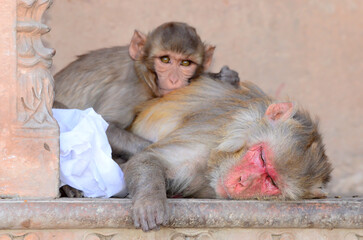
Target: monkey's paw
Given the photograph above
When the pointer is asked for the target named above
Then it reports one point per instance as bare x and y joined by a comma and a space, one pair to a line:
150, 214
68, 191
229, 76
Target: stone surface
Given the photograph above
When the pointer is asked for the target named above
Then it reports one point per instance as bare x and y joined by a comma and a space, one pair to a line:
309, 50
185, 234
185, 213
192, 219
29, 136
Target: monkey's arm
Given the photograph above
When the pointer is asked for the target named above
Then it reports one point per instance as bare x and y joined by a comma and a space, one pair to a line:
225, 75
123, 142
145, 179
60, 105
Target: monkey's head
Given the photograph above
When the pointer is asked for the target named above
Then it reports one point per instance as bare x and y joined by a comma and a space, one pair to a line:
270, 151
170, 56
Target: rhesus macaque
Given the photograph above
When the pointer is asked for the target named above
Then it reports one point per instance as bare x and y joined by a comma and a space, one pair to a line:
212, 140
115, 80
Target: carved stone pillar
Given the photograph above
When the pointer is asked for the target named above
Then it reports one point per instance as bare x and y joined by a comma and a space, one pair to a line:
29, 135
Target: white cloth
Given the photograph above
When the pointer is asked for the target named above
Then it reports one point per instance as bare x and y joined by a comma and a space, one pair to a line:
85, 154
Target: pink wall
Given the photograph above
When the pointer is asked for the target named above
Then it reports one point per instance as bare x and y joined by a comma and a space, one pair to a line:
310, 50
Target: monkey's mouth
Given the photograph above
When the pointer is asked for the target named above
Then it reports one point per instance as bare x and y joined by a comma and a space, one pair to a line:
167, 90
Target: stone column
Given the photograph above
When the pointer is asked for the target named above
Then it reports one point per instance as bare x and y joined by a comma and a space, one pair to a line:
29, 135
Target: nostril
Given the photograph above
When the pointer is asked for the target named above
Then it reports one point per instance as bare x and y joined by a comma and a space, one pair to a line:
240, 182
173, 80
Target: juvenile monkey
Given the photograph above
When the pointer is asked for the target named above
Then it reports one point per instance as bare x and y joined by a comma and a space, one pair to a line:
115, 80
215, 141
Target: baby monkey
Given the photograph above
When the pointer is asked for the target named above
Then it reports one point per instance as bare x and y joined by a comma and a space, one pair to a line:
113, 81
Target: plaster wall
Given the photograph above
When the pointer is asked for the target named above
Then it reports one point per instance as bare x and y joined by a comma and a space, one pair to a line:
311, 51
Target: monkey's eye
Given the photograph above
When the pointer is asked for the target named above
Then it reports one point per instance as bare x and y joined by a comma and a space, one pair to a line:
262, 155
185, 63
273, 182
165, 59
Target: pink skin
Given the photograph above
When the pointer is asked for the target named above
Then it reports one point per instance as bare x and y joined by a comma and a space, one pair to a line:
252, 177
173, 75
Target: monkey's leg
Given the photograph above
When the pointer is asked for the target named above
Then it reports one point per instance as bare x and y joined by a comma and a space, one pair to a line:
145, 179
123, 142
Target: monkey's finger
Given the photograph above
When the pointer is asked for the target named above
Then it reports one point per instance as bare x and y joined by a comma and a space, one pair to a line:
144, 226
136, 219
225, 68
151, 218
159, 217
143, 220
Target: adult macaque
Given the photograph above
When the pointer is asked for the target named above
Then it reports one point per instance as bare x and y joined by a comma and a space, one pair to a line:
115, 80
216, 141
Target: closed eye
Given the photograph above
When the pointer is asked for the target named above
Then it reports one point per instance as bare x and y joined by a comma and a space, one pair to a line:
272, 181
262, 156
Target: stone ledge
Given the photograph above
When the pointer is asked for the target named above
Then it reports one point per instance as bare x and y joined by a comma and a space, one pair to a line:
185, 213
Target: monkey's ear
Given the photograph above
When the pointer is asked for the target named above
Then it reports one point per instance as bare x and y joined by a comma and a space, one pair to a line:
208, 57
279, 111
137, 45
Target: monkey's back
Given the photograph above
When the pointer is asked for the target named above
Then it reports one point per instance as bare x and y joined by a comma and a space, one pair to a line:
209, 126
104, 79
187, 124
201, 102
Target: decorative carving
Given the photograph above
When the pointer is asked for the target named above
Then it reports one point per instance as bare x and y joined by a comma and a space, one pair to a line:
276, 236
35, 82
191, 235
98, 236
5, 237
26, 236
353, 236
30, 236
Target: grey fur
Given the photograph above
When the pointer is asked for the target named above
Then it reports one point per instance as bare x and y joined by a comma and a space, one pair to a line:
215, 126
106, 80
114, 84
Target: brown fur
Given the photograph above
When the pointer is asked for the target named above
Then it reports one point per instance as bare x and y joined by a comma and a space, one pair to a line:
201, 131
105, 79
176, 37
113, 83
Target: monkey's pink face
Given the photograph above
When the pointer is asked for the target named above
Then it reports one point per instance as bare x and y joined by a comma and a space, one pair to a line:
173, 71
254, 176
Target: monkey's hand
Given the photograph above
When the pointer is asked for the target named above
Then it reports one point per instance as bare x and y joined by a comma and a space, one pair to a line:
229, 76
150, 211
145, 179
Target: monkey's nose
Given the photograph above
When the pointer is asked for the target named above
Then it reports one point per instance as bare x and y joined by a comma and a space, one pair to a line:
173, 79
241, 183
